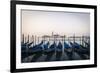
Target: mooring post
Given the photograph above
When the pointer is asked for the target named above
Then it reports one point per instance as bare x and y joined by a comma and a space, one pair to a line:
23, 38
33, 39
38, 40
74, 43
83, 41
43, 44
28, 38
63, 40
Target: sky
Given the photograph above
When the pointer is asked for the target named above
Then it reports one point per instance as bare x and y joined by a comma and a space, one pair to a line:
63, 23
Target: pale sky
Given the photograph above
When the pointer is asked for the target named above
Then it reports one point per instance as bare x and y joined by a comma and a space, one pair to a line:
64, 23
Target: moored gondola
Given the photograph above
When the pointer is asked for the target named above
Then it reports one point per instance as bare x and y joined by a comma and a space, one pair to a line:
59, 50
50, 51
68, 50
83, 52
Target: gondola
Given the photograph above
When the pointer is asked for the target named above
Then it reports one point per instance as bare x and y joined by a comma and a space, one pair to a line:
87, 44
51, 48
46, 47
37, 48
83, 52
79, 48
50, 51
68, 50
67, 47
59, 49
24, 50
